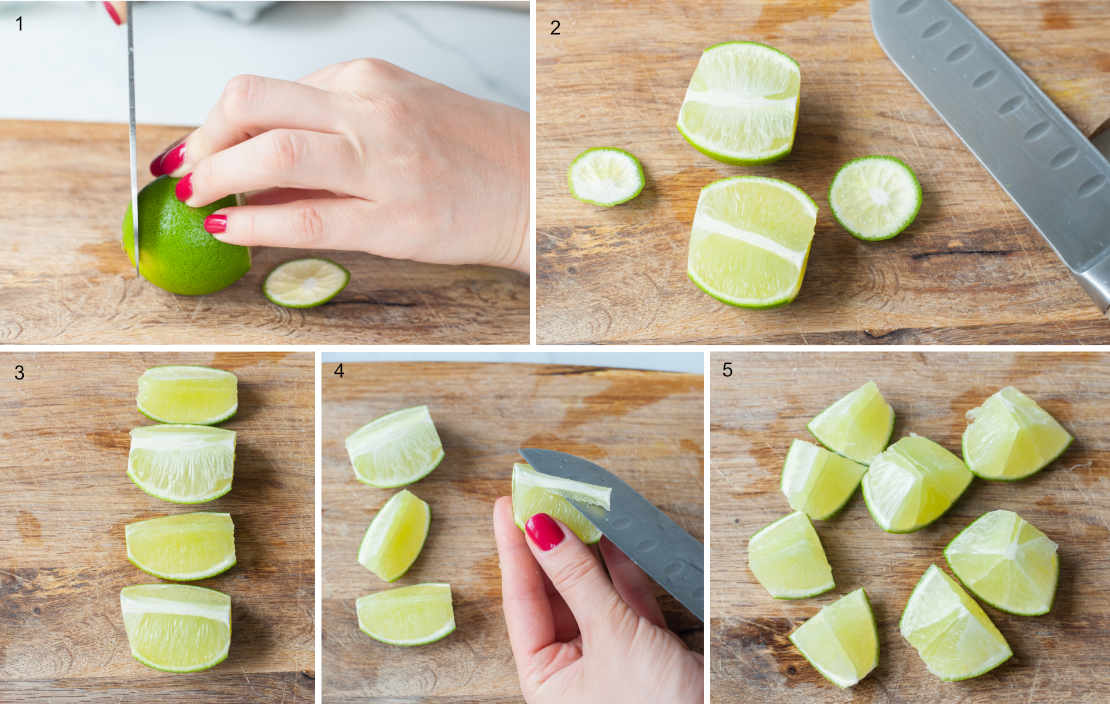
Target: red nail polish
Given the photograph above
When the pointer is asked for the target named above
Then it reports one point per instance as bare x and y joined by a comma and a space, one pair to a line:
544, 531
112, 13
184, 187
169, 161
215, 224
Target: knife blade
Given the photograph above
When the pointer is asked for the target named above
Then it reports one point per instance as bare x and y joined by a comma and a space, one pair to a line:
1057, 177
131, 136
661, 548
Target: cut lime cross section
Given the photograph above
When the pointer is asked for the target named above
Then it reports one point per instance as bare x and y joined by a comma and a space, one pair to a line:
305, 283
396, 449
950, 631
185, 464
415, 615
841, 641
857, 426
912, 484
184, 547
176, 627
605, 176
186, 394
395, 536
542, 493
875, 197
817, 481
1008, 563
1011, 437
788, 560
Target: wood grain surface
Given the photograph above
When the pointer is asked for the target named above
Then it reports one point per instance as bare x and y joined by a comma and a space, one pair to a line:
64, 189
970, 270
65, 502
1061, 657
644, 426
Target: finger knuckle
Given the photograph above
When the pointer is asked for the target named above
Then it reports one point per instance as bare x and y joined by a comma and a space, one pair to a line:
241, 92
287, 149
369, 69
571, 575
310, 225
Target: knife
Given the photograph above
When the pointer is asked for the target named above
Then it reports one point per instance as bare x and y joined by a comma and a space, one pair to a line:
668, 554
131, 135
1059, 178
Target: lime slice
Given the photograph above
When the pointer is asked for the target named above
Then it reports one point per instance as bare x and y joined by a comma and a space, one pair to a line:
1006, 562
185, 464
395, 536
176, 627
605, 176
750, 240
912, 484
542, 493
184, 547
857, 426
1011, 437
185, 394
741, 106
396, 449
788, 560
950, 631
875, 197
817, 481
841, 641
305, 283
415, 615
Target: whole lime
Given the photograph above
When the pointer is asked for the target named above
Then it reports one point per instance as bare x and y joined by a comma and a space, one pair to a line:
177, 253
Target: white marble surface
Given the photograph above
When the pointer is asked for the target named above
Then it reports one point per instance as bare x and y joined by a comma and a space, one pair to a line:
689, 362
70, 60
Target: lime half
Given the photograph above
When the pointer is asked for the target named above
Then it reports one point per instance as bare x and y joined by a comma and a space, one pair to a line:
741, 106
816, 481
305, 283
188, 394
176, 627
950, 631
841, 641
750, 241
415, 615
395, 536
857, 426
912, 484
605, 176
788, 560
542, 493
184, 547
1005, 561
875, 197
185, 464
396, 449
1011, 437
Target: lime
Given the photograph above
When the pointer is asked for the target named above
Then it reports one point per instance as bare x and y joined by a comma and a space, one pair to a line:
1011, 437
542, 493
750, 241
875, 197
605, 176
1005, 561
912, 483
841, 641
305, 283
185, 464
396, 449
177, 253
184, 547
949, 630
415, 615
817, 481
188, 394
741, 106
858, 426
395, 536
176, 627
788, 560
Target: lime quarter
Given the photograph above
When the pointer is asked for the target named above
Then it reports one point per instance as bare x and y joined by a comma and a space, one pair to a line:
396, 449
176, 627
818, 482
875, 197
415, 615
395, 536
858, 425
605, 176
841, 641
182, 547
1010, 437
912, 483
188, 394
185, 464
788, 560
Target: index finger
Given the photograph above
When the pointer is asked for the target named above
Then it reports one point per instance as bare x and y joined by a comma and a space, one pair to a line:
524, 600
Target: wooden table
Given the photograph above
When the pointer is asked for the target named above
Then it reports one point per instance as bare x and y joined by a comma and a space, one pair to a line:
66, 500
644, 426
1060, 657
970, 270
64, 189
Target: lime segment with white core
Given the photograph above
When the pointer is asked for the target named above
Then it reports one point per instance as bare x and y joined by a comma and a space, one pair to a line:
816, 481
841, 641
605, 176
912, 483
188, 394
788, 560
415, 615
857, 426
542, 493
176, 627
185, 464
183, 547
1011, 437
875, 197
395, 536
305, 283
396, 449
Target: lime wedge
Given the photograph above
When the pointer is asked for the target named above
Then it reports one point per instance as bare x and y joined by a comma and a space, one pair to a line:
741, 106
949, 630
841, 641
858, 426
184, 547
605, 176
1011, 437
542, 493
817, 481
396, 449
912, 484
395, 536
176, 627
875, 197
788, 560
750, 241
1008, 563
185, 394
305, 283
415, 615
185, 464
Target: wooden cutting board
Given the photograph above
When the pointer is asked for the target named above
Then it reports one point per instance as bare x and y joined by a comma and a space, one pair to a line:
644, 426
970, 270
1060, 657
66, 500
64, 189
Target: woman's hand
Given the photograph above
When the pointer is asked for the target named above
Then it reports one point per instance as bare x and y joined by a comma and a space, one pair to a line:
578, 636
362, 156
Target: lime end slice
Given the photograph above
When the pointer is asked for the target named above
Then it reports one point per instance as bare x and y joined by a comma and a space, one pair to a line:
305, 283
788, 560
841, 641
858, 426
176, 627
184, 464
875, 197
183, 547
396, 449
395, 536
534, 493
912, 483
1010, 437
188, 394
605, 176
818, 482
415, 615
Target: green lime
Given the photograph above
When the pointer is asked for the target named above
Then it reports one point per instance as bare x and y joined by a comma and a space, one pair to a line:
605, 176
396, 449
788, 560
857, 426
875, 197
176, 627
841, 641
183, 547
912, 483
817, 481
395, 536
305, 283
415, 615
1011, 437
542, 493
188, 394
185, 464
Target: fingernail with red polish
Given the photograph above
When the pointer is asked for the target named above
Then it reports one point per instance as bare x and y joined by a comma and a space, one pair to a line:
184, 188
112, 13
544, 531
215, 224
169, 161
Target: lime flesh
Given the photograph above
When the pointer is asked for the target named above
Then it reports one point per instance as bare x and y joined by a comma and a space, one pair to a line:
841, 641
305, 283
912, 483
541, 493
605, 176
858, 426
875, 197
788, 560
818, 482
188, 394
396, 449
183, 547
415, 615
1010, 437
176, 627
395, 536
185, 464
